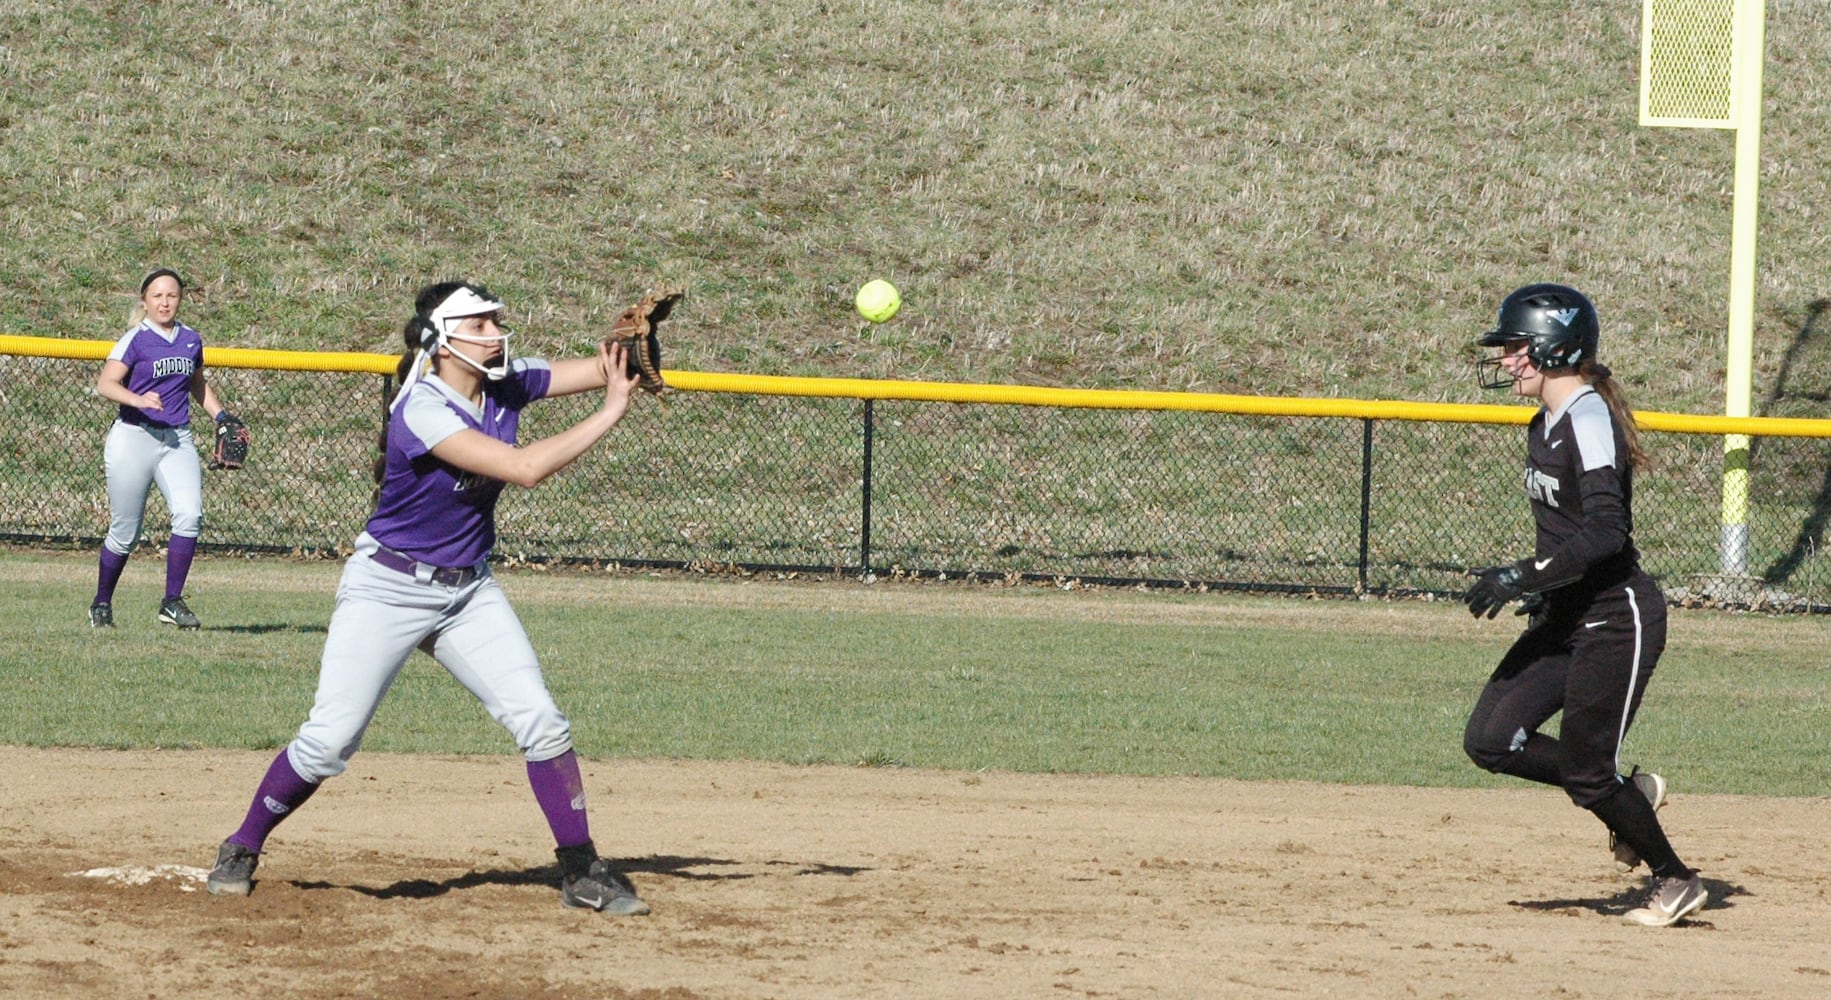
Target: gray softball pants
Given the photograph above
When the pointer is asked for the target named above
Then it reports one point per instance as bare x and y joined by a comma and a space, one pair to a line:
136, 457
382, 616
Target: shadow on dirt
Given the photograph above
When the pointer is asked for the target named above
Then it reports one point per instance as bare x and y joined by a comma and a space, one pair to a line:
693, 869
1722, 897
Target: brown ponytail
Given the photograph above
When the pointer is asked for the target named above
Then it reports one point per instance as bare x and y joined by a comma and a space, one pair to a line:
410, 339
412, 333
1611, 392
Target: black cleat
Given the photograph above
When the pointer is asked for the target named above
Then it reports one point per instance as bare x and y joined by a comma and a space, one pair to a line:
586, 882
234, 871
174, 612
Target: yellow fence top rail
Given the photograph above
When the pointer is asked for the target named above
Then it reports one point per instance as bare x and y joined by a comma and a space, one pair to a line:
967, 392
220, 357
1275, 406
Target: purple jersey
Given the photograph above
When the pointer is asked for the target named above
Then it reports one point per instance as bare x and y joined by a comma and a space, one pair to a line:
162, 363
433, 511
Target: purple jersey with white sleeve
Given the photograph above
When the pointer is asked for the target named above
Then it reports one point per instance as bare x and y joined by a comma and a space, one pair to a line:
433, 511
163, 363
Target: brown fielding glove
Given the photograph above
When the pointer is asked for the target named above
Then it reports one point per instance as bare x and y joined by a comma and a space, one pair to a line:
232, 439
636, 330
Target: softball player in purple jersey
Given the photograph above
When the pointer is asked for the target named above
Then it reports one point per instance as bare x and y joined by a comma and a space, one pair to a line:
153, 372
1598, 622
419, 579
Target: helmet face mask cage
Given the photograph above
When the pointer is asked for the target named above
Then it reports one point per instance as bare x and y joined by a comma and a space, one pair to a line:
1557, 323
1490, 373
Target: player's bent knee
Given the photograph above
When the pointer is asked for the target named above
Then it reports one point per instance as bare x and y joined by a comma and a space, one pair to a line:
123, 536
1488, 754
314, 760
548, 746
187, 524
1487, 758
546, 739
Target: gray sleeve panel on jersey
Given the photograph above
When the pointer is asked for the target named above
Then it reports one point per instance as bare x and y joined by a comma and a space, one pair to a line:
533, 372
1604, 533
1594, 429
429, 420
119, 350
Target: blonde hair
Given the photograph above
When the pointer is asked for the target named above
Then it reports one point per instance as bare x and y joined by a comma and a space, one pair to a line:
1616, 397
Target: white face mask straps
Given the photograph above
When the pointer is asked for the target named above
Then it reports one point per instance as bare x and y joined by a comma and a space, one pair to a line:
491, 372
462, 304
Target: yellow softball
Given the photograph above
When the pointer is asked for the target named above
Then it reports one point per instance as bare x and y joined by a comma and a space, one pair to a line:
878, 300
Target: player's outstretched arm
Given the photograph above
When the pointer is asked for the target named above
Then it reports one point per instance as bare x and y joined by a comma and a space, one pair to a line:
474, 451
575, 375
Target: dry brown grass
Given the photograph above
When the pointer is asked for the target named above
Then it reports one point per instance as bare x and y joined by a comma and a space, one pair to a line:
1273, 198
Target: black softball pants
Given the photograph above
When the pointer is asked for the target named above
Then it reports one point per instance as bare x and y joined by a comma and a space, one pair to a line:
1592, 662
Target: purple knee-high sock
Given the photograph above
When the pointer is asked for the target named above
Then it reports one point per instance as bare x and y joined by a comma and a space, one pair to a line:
281, 791
109, 574
178, 555
561, 794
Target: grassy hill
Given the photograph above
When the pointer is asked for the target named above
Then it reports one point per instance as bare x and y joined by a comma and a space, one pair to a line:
1285, 198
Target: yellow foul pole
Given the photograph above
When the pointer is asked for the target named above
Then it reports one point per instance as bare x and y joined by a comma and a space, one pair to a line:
1738, 374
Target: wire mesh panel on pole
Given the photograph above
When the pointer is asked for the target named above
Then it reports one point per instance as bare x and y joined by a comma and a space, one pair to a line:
1701, 67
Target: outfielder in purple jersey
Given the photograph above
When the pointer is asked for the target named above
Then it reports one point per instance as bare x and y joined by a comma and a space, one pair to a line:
420, 579
1597, 622
153, 373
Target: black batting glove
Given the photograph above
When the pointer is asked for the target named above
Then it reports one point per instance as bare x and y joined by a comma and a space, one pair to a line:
1493, 588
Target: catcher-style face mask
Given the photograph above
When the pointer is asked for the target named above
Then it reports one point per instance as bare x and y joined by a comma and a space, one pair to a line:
462, 304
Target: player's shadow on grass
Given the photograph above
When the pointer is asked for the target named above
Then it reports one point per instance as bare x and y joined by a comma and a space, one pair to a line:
548, 875
1722, 897
268, 629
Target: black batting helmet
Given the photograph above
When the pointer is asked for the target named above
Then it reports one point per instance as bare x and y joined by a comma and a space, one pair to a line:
1557, 322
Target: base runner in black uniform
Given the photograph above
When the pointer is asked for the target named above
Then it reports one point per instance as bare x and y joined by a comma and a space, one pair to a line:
1598, 623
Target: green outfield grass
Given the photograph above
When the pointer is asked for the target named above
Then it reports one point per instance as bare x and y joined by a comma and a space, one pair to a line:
979, 677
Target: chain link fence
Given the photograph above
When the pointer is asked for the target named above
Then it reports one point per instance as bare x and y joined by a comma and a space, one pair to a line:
889, 487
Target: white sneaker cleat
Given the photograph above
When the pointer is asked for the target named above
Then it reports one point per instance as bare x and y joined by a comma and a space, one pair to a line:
1654, 788
1668, 901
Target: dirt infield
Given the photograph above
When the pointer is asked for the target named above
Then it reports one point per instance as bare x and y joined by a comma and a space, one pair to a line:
432, 877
